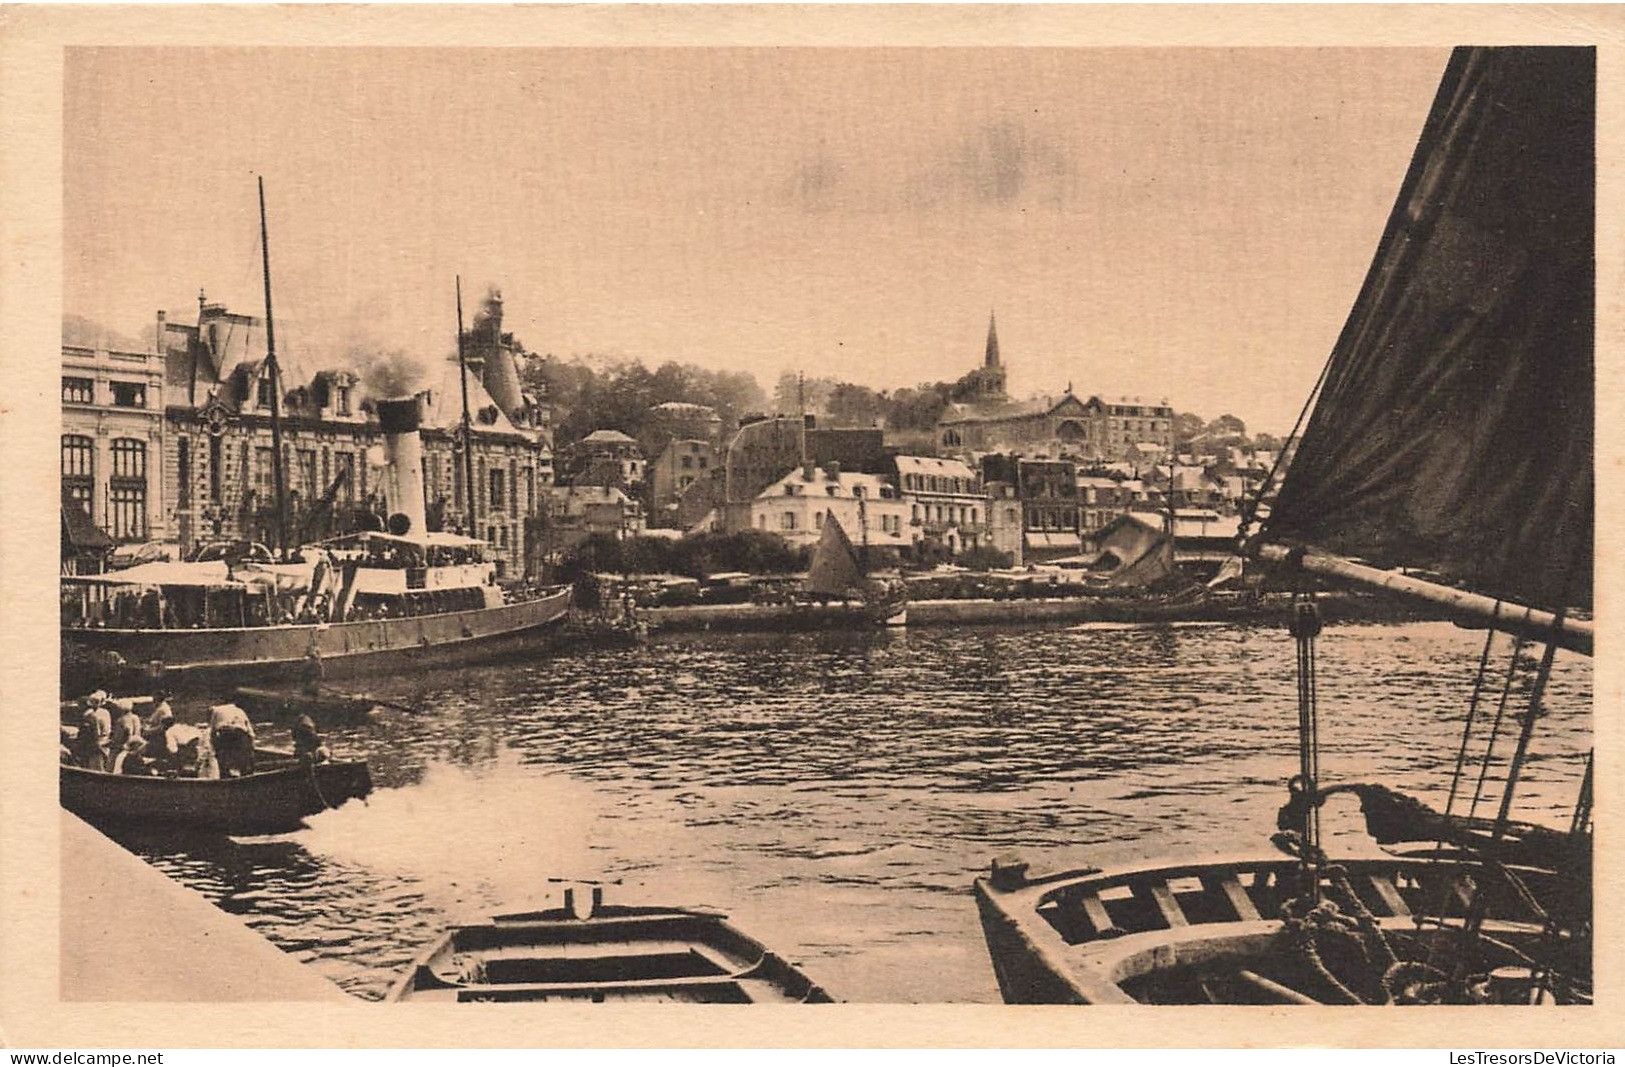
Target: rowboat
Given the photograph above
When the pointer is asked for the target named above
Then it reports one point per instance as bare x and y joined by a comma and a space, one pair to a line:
1236, 931
323, 705
273, 800
616, 953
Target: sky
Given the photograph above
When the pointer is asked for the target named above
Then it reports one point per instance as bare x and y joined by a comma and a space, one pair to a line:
1185, 224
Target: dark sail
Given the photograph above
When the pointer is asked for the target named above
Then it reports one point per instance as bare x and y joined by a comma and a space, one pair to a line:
1454, 427
835, 569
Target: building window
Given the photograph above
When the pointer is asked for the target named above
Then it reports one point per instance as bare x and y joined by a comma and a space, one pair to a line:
703, 462
183, 473
498, 485
688, 462
79, 468
307, 472
818, 520
78, 391
127, 490
217, 464
263, 397
787, 521
128, 394
344, 467
341, 399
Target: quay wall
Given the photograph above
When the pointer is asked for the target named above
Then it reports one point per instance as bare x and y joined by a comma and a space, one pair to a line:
1335, 606
130, 933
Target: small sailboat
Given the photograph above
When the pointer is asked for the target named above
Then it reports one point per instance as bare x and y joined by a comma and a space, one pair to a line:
837, 580
1452, 433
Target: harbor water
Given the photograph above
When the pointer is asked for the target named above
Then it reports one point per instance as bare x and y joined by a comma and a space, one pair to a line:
837, 793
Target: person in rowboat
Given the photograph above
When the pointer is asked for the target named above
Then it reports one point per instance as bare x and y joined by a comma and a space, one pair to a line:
308, 745
231, 736
95, 740
126, 728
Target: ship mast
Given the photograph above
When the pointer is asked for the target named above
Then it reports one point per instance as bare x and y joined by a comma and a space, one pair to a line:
468, 423
272, 372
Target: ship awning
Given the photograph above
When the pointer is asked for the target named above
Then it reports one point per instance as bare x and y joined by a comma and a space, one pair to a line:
1054, 540
213, 574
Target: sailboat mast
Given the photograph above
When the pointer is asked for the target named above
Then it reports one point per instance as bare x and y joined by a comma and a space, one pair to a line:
275, 376
468, 423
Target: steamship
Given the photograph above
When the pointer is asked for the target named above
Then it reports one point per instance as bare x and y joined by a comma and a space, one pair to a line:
373, 600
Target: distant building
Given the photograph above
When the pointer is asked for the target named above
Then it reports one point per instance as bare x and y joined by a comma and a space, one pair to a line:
945, 499
609, 457
681, 464
765, 450
1100, 500
576, 512
1048, 492
677, 420
868, 508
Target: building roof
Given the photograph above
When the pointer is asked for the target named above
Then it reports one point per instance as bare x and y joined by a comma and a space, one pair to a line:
608, 437
822, 481
929, 465
443, 402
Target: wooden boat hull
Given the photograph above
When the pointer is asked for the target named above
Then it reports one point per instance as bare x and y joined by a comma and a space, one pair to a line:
344, 647
1212, 933
272, 801
322, 706
618, 954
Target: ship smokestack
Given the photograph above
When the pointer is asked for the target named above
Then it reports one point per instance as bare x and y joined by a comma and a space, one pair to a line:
403, 486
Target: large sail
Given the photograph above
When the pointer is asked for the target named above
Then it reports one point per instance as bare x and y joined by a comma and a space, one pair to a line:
835, 570
1454, 427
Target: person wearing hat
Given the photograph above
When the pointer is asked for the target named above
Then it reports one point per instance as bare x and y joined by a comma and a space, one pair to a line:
162, 714
126, 735
231, 736
95, 741
308, 745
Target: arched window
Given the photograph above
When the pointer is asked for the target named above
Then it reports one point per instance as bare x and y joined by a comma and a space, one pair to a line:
127, 490
79, 468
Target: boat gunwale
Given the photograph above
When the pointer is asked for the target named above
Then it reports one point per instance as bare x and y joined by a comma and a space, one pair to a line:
757, 961
1095, 967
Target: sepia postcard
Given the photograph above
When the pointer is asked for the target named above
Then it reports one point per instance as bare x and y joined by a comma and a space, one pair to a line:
968, 525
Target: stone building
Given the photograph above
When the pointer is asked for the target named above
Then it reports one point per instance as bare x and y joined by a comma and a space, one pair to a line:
946, 503
867, 506
188, 456
679, 466
984, 419
112, 440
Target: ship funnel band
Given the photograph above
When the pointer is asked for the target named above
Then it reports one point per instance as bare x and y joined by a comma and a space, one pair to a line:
398, 416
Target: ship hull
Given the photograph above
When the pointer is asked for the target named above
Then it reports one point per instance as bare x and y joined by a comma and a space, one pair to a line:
359, 646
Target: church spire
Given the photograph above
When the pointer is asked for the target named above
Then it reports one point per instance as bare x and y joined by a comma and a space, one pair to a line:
992, 359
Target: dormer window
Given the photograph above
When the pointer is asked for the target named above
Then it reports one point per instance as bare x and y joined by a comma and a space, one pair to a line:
341, 399
832, 490
263, 397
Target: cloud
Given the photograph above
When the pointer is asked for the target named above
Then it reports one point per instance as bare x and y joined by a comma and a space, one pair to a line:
1001, 163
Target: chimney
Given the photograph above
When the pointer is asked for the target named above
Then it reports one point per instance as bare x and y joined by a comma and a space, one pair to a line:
158, 339
807, 469
403, 485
